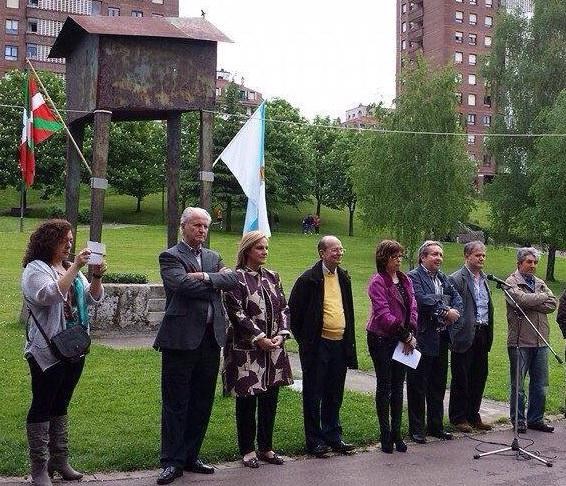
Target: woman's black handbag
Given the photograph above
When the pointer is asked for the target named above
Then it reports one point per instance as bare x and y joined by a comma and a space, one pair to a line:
69, 345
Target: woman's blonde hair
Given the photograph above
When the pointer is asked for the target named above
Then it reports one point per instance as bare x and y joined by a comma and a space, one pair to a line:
246, 243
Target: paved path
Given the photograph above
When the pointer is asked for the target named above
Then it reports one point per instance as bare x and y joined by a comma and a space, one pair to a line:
359, 381
436, 463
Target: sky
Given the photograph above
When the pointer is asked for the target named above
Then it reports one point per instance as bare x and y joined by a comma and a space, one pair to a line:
323, 57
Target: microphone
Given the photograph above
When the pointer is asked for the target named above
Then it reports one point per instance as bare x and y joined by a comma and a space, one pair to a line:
493, 278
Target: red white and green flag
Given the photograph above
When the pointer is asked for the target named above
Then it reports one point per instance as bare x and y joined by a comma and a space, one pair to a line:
39, 123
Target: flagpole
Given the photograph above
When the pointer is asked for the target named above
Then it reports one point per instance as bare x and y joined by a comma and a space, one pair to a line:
22, 199
60, 118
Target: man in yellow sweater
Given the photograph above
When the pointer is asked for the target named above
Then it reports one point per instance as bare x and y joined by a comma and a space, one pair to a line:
322, 321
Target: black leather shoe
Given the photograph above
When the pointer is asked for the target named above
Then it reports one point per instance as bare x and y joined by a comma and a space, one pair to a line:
442, 435
418, 438
521, 428
342, 447
320, 450
400, 446
541, 426
199, 467
169, 474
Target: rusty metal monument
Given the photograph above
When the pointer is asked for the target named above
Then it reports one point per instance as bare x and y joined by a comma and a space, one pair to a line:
129, 69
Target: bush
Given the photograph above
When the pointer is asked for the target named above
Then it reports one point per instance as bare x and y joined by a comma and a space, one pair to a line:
84, 216
55, 212
125, 278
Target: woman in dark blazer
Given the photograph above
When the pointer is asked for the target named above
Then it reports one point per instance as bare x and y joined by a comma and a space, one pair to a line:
393, 318
255, 361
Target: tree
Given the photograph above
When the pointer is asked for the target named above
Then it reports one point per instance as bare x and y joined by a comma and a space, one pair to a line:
50, 155
323, 135
288, 156
339, 173
526, 72
549, 180
416, 186
136, 158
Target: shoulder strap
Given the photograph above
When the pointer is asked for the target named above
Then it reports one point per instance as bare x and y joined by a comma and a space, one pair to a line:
47, 340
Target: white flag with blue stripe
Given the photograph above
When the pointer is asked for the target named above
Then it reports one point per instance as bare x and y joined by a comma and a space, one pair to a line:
244, 156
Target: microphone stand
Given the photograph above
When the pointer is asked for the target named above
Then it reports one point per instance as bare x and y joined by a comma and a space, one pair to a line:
515, 444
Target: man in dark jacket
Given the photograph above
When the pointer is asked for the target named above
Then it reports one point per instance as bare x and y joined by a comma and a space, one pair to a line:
439, 306
189, 338
471, 338
322, 322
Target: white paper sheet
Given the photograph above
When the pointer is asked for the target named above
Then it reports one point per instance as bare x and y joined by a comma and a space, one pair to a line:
98, 250
411, 360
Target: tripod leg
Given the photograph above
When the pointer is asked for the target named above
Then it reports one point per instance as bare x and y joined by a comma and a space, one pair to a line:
483, 454
530, 454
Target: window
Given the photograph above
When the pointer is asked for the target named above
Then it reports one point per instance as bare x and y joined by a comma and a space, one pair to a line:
160, 2
459, 98
403, 44
33, 3
471, 139
488, 21
459, 17
487, 41
458, 56
472, 157
11, 26
487, 100
32, 51
486, 120
157, 15
471, 100
404, 8
404, 27
10, 53
459, 37
473, 2
32, 26
486, 159
489, 3
471, 119
218, 92
458, 1
458, 77
472, 59
472, 39
12, 3
472, 79
137, 13
473, 19
113, 12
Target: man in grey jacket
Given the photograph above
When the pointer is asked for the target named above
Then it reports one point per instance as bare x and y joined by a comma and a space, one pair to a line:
523, 342
471, 338
189, 338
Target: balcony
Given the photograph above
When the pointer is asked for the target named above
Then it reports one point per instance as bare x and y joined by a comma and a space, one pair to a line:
416, 14
415, 34
414, 47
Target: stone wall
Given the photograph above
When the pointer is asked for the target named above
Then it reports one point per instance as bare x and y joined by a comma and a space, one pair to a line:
128, 309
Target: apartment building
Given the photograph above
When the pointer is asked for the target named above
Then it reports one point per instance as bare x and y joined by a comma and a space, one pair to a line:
250, 99
31, 26
456, 32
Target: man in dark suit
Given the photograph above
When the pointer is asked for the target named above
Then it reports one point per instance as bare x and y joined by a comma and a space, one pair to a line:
322, 322
471, 337
190, 338
439, 306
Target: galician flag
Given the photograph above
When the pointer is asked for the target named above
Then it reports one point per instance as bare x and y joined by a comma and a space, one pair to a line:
244, 156
39, 124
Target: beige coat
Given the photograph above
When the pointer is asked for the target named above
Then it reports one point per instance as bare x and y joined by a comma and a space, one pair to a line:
536, 305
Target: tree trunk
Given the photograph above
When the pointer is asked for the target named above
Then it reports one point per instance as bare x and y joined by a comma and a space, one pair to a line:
138, 205
318, 204
229, 215
351, 223
550, 264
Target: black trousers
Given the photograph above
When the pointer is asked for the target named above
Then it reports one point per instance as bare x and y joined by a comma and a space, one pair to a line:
323, 391
469, 374
188, 383
428, 384
389, 377
52, 389
265, 405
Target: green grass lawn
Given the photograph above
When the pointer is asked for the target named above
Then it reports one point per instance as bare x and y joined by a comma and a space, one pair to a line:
118, 395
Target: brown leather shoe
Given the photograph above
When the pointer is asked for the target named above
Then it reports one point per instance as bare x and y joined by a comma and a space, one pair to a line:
479, 425
464, 427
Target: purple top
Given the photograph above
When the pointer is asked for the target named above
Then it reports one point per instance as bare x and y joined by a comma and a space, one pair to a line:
388, 309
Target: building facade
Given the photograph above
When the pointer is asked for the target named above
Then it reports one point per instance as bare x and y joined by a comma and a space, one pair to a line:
456, 32
360, 117
250, 99
29, 27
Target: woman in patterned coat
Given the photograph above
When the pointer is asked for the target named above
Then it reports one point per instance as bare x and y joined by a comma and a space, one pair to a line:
255, 361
